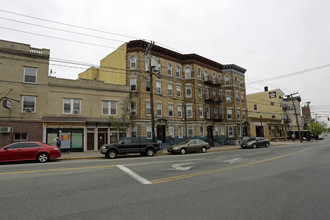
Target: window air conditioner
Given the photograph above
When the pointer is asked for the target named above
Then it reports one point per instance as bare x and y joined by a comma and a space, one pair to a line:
5, 129
75, 112
29, 109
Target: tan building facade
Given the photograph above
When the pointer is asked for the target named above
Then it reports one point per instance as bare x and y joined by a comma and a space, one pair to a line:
193, 96
42, 107
266, 114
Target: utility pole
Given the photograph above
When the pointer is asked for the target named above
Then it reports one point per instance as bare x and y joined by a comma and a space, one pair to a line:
148, 52
295, 112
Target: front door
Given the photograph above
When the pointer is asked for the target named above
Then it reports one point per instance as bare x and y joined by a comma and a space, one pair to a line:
259, 131
161, 133
210, 132
90, 141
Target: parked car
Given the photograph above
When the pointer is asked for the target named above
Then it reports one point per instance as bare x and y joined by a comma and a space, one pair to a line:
129, 145
20, 151
190, 145
254, 142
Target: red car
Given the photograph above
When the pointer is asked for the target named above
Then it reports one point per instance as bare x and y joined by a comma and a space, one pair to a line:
28, 151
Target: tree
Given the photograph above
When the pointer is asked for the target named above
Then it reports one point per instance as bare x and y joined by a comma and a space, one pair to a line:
319, 127
122, 122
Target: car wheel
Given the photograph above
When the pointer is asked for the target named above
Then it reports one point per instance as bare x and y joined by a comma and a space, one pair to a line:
267, 145
183, 151
43, 157
111, 154
150, 152
254, 146
203, 150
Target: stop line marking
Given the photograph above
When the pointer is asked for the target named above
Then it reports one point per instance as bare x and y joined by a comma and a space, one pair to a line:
135, 176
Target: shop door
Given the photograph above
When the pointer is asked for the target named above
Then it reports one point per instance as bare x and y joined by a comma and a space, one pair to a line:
260, 131
90, 141
101, 140
161, 133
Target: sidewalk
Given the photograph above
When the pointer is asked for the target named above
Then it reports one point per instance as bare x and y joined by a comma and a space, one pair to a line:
97, 154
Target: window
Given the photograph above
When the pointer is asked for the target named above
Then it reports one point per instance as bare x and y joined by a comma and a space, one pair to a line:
148, 132
237, 97
190, 131
208, 112
171, 131
180, 131
238, 114
243, 114
30, 75
229, 114
227, 80
219, 78
133, 131
216, 112
169, 69
241, 83
20, 137
201, 113
133, 84
132, 62
71, 106
187, 73
217, 131
133, 108
206, 76
170, 110
222, 130
230, 131
207, 93
147, 64
202, 131
109, 108
236, 82
228, 96
221, 113
170, 89
255, 107
179, 111
178, 91
214, 93
199, 73
148, 84
148, 108
213, 77
177, 71
158, 87
159, 109
189, 111
242, 98
200, 92
159, 66
188, 92
239, 131
29, 103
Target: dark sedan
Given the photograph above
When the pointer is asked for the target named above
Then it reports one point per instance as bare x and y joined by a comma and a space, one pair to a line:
20, 151
254, 142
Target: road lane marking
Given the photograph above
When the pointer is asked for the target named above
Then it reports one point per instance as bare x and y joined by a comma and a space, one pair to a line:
52, 170
234, 160
185, 176
182, 166
134, 175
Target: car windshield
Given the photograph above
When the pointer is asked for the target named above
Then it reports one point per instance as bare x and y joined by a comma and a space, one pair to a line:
184, 142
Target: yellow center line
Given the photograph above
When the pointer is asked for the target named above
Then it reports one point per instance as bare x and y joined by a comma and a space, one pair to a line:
52, 170
168, 179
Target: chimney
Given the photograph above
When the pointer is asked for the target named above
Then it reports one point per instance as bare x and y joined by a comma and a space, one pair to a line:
266, 88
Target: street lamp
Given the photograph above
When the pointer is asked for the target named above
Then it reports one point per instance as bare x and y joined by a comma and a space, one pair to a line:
262, 127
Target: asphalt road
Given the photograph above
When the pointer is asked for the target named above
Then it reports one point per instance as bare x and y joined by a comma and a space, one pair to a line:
284, 182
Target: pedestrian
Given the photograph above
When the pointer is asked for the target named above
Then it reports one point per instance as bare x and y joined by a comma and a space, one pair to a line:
58, 142
161, 145
293, 137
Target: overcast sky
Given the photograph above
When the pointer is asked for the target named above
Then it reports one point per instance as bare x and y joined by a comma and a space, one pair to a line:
269, 38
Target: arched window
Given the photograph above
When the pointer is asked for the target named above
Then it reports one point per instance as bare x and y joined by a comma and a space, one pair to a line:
227, 80
177, 71
219, 78
206, 76
199, 73
213, 77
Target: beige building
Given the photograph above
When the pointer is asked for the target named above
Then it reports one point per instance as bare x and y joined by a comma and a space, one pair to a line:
193, 96
37, 107
266, 114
